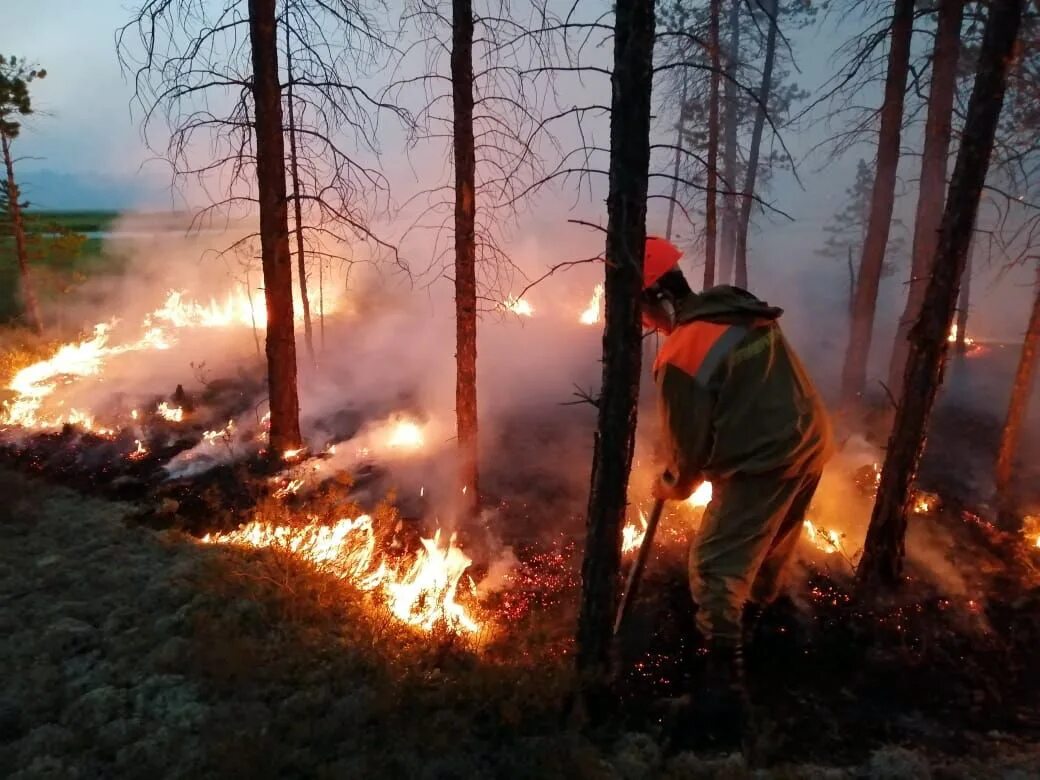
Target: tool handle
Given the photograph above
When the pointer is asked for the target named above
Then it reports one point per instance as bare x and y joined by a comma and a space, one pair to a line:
635, 574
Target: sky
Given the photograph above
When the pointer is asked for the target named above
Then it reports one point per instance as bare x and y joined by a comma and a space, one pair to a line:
86, 142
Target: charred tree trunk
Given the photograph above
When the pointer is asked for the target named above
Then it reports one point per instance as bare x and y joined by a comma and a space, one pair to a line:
772, 10
1019, 405
678, 158
933, 177
465, 252
625, 245
884, 548
710, 210
274, 228
852, 283
729, 154
32, 308
294, 170
965, 302
854, 373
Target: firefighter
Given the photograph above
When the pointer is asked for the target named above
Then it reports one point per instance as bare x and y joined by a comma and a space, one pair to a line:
737, 408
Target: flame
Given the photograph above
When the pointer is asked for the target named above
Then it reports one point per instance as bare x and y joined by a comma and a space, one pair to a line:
171, 413
827, 541
139, 452
293, 454
519, 306
952, 336
594, 311
925, 503
701, 496
632, 535
224, 433
424, 596
1031, 529
406, 434
290, 489
76, 361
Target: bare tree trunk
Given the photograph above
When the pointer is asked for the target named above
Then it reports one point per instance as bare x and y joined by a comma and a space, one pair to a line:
465, 252
964, 304
618, 402
882, 562
32, 308
321, 299
772, 10
1019, 404
729, 155
852, 283
854, 373
678, 158
294, 170
710, 210
933, 177
274, 228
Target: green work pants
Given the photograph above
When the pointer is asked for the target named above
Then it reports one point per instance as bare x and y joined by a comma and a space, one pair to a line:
742, 547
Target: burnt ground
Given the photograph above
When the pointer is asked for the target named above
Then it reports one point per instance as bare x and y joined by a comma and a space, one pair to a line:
130, 650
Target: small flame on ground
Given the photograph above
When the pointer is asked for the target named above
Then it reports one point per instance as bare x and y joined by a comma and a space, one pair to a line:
224, 433
827, 541
139, 452
292, 454
519, 306
632, 535
952, 336
289, 489
422, 597
594, 311
925, 503
170, 413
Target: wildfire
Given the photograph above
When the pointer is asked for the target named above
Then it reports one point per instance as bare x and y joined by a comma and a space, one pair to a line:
1031, 529
139, 452
170, 413
925, 503
520, 306
224, 433
594, 311
423, 596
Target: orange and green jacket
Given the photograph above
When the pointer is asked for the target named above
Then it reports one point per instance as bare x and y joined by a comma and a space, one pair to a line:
733, 396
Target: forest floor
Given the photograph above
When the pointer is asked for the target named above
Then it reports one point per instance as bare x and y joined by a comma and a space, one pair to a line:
131, 649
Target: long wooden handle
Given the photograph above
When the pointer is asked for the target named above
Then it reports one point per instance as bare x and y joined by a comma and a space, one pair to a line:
635, 574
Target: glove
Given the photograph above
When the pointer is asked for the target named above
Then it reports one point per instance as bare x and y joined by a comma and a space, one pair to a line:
667, 488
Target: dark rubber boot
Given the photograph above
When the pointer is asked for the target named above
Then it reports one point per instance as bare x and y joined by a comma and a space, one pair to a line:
719, 710
749, 620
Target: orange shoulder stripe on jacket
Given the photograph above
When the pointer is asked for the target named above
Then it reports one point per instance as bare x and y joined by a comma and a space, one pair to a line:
688, 345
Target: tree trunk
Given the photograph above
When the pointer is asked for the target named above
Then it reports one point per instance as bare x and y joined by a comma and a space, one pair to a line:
274, 229
294, 169
710, 223
729, 155
1018, 407
678, 158
965, 301
32, 308
852, 282
933, 176
465, 252
625, 245
882, 562
854, 373
772, 10
321, 300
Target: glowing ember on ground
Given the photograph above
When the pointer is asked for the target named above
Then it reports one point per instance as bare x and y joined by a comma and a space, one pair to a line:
406, 434
423, 596
593, 312
519, 306
701, 496
170, 413
952, 337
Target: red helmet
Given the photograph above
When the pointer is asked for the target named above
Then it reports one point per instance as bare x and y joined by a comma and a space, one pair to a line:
660, 258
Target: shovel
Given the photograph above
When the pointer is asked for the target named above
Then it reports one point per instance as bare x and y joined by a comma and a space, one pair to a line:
635, 574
